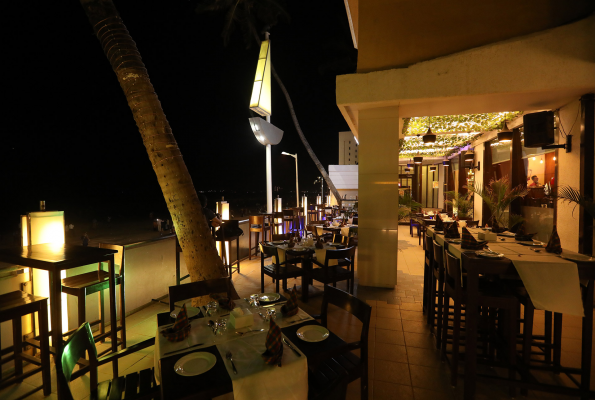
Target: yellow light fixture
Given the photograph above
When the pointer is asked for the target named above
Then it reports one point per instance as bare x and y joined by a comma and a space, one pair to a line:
260, 102
505, 135
533, 158
554, 158
541, 161
223, 209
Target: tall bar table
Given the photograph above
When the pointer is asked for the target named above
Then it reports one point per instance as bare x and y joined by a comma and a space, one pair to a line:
54, 259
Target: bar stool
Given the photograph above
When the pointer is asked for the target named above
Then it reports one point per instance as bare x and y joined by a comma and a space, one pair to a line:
226, 246
88, 283
312, 213
287, 220
13, 306
257, 226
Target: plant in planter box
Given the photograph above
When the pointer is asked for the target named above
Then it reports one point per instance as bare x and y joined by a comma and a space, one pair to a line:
462, 202
498, 195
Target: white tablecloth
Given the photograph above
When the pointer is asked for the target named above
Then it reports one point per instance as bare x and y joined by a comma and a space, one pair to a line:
552, 282
288, 377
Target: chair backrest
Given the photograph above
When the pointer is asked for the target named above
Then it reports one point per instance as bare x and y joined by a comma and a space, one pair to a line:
472, 224
288, 213
438, 255
338, 238
281, 236
80, 342
358, 308
453, 271
268, 251
196, 289
339, 254
256, 220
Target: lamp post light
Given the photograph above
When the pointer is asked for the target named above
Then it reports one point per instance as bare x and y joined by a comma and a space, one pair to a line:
297, 186
267, 134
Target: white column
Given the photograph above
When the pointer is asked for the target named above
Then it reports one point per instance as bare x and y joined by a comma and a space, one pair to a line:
378, 196
269, 181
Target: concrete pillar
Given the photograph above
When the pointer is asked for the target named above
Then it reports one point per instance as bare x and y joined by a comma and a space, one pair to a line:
378, 196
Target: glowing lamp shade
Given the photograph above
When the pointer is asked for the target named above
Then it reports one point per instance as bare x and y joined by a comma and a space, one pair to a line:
469, 155
433, 168
278, 204
407, 169
305, 204
429, 137
260, 102
46, 227
223, 209
328, 200
446, 163
418, 159
265, 132
505, 135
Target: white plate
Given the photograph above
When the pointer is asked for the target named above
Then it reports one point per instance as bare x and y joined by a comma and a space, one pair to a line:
577, 257
268, 297
312, 333
191, 311
195, 364
487, 254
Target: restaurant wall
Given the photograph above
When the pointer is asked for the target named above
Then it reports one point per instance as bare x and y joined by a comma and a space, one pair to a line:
567, 220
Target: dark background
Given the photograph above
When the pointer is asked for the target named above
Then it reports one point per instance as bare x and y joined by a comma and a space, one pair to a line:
69, 138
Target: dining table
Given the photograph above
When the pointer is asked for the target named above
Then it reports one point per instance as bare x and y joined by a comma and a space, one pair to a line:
558, 283
254, 378
307, 252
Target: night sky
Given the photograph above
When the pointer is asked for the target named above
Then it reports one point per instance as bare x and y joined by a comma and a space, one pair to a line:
68, 135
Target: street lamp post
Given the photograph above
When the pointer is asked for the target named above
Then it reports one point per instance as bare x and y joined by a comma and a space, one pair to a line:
297, 186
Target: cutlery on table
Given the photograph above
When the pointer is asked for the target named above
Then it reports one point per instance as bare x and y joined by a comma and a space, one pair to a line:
251, 330
228, 356
276, 304
211, 323
186, 348
291, 347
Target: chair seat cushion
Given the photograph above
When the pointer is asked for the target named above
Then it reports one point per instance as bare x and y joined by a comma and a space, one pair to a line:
286, 270
339, 274
87, 279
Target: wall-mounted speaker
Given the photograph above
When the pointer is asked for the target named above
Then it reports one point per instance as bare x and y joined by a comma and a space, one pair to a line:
539, 129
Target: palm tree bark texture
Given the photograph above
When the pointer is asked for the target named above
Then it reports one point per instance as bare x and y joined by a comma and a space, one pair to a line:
197, 244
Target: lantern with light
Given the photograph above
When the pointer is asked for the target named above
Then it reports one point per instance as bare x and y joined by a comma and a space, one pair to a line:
469, 156
432, 168
429, 137
418, 159
505, 135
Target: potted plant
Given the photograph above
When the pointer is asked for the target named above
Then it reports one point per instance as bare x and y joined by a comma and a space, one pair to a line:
498, 195
407, 207
462, 202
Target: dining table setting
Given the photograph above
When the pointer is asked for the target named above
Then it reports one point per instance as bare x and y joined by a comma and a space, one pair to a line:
556, 280
258, 348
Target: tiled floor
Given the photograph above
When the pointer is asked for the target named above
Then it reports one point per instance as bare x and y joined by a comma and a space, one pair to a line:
403, 361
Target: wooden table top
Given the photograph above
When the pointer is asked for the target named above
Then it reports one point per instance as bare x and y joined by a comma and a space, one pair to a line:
51, 256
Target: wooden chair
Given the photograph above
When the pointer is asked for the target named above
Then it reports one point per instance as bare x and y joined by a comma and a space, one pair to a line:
277, 270
257, 226
200, 288
438, 294
328, 366
13, 306
312, 213
491, 297
138, 385
334, 390
85, 284
429, 281
335, 273
288, 220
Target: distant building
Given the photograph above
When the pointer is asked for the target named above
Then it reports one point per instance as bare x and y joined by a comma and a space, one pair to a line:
345, 175
347, 149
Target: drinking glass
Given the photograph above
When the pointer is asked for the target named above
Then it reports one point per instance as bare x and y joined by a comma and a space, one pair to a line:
271, 314
212, 307
254, 301
221, 326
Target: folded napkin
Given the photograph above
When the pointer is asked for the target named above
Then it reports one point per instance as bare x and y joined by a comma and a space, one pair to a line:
452, 231
554, 245
521, 231
274, 347
181, 327
469, 242
291, 307
439, 224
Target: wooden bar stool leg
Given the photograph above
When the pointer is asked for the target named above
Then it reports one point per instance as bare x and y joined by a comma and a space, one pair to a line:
528, 336
122, 310
238, 253
432, 300
44, 347
17, 335
548, 337
456, 336
512, 323
249, 245
81, 302
101, 313
440, 306
557, 342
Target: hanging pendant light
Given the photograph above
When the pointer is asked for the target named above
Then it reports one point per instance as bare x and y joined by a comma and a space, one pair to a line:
469, 155
432, 168
505, 135
446, 163
429, 137
418, 159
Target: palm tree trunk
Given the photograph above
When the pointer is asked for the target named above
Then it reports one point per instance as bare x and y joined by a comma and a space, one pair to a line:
320, 167
176, 184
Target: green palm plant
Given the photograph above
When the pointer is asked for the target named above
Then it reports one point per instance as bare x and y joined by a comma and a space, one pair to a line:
248, 15
407, 206
567, 194
498, 195
462, 202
